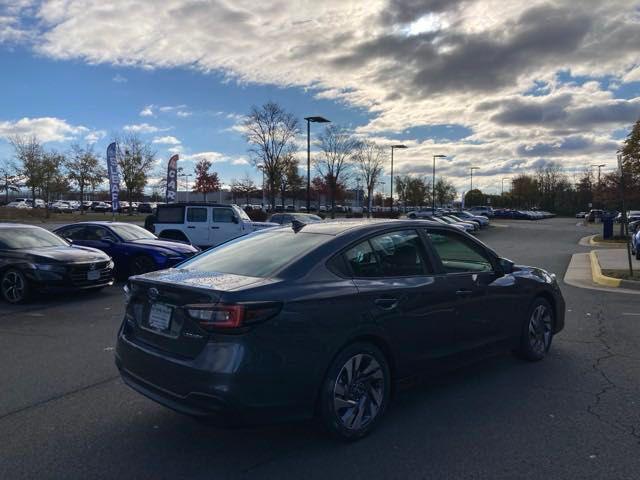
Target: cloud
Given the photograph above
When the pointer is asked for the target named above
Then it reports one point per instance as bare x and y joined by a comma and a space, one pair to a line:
95, 135
119, 79
167, 140
147, 111
144, 128
240, 161
47, 129
213, 157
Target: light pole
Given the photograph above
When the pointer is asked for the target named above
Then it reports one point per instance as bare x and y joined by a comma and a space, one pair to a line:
357, 191
433, 183
471, 170
260, 166
392, 148
503, 185
382, 184
309, 121
598, 188
186, 177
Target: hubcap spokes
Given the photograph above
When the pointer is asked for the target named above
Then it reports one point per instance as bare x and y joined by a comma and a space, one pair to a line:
12, 287
540, 329
358, 391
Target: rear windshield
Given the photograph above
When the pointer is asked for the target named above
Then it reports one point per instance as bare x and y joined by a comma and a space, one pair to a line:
17, 238
261, 254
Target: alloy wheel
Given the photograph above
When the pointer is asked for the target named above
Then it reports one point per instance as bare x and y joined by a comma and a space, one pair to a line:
13, 287
358, 392
540, 329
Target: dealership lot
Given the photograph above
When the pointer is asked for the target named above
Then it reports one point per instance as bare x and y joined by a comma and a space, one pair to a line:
64, 412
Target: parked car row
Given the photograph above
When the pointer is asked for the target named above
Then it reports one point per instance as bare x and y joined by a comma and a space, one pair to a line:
522, 214
462, 220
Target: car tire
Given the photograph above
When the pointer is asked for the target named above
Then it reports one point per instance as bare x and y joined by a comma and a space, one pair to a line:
537, 331
351, 406
14, 286
141, 264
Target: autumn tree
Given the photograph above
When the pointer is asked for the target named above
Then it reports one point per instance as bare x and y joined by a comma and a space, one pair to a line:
84, 169
9, 182
271, 133
338, 148
206, 181
290, 180
369, 160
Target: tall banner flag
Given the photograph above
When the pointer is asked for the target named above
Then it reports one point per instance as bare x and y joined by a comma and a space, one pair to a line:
114, 177
172, 179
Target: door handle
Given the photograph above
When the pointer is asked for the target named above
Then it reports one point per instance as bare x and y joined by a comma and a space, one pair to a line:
386, 303
191, 226
464, 292
215, 228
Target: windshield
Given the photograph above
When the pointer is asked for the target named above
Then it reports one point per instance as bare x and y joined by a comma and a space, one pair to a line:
25, 237
131, 232
241, 213
261, 254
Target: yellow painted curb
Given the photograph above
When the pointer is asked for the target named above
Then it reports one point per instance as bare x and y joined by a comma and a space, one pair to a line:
596, 273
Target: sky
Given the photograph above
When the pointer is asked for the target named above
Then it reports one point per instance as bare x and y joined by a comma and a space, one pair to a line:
506, 86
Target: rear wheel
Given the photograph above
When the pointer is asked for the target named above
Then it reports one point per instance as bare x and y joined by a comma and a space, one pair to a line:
355, 392
14, 286
537, 333
142, 264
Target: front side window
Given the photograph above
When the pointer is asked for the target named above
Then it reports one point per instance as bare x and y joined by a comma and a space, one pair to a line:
74, 233
459, 255
223, 215
197, 214
394, 254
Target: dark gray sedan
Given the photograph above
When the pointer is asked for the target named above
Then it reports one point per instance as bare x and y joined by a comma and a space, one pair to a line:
325, 319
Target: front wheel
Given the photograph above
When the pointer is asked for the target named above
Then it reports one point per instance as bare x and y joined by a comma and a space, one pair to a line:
537, 333
14, 286
355, 392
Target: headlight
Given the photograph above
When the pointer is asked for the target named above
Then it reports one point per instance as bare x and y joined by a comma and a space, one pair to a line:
50, 267
127, 293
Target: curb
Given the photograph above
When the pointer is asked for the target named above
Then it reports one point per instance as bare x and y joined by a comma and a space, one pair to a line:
604, 244
600, 279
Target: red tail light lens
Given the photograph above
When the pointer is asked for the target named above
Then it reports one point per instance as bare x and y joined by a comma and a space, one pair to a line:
227, 316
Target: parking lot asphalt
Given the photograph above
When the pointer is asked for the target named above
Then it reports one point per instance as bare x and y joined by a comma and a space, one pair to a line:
64, 412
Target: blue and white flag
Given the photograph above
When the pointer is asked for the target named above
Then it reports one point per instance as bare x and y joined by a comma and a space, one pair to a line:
172, 179
114, 177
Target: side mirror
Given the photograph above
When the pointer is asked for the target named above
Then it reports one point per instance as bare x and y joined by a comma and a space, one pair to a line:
235, 219
506, 265
108, 239
70, 240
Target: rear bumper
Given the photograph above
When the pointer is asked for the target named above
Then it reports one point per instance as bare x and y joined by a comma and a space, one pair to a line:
223, 383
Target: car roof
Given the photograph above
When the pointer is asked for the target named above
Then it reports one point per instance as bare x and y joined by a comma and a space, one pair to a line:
339, 227
14, 225
100, 222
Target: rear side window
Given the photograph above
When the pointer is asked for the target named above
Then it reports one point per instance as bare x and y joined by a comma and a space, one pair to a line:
196, 214
170, 214
394, 254
459, 255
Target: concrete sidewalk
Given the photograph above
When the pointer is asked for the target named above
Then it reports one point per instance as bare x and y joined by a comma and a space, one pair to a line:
613, 259
579, 275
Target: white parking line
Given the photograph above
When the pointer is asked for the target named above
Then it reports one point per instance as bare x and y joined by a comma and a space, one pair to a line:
631, 314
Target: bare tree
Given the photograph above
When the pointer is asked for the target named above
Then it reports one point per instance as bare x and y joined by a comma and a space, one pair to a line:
338, 147
29, 155
271, 132
84, 169
9, 181
369, 160
52, 180
245, 187
135, 159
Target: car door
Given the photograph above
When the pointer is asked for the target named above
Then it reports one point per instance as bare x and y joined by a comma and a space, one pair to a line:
225, 225
485, 299
399, 290
197, 222
97, 236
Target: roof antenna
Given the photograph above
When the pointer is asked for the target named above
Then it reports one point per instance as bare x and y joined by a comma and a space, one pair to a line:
297, 225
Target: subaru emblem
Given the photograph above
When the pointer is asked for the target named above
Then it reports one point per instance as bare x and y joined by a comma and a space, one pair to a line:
153, 293
92, 266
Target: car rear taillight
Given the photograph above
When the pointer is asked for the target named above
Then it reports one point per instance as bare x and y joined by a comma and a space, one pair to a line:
225, 316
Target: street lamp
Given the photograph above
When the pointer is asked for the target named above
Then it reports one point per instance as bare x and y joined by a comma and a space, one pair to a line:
599, 168
392, 148
471, 170
503, 185
260, 166
433, 183
309, 121
186, 177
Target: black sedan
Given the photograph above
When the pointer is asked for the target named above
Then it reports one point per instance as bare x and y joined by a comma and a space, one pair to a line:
34, 259
325, 319
133, 249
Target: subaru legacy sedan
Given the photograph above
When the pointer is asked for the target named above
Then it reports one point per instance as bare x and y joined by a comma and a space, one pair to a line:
325, 319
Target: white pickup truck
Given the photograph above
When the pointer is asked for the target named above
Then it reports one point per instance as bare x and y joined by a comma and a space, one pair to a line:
203, 224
